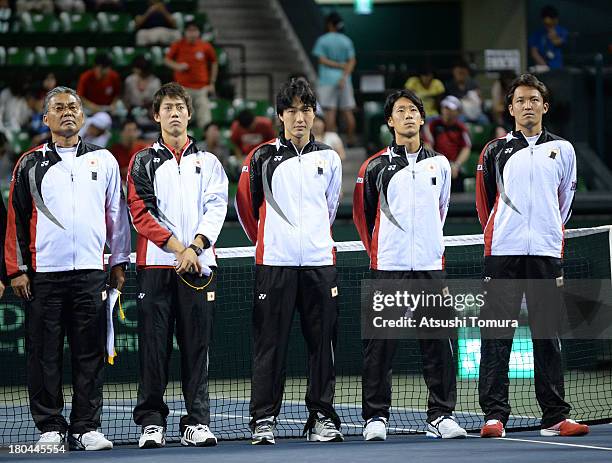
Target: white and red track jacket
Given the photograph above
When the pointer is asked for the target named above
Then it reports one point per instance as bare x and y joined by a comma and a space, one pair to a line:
399, 208
182, 194
287, 201
60, 218
524, 194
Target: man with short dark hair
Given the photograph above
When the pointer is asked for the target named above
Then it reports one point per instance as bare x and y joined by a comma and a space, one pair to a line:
249, 131
525, 184
392, 186
195, 67
286, 202
65, 205
177, 195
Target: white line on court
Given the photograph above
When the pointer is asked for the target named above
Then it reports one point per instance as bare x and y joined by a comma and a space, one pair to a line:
533, 441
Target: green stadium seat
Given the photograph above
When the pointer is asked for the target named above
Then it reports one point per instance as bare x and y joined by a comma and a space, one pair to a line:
87, 56
37, 23
196, 132
78, 22
115, 22
480, 135
20, 56
2, 56
259, 108
469, 166
53, 56
157, 55
123, 56
222, 111
222, 58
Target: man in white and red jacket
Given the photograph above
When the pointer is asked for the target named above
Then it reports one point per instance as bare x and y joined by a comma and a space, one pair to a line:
177, 196
399, 206
525, 187
65, 205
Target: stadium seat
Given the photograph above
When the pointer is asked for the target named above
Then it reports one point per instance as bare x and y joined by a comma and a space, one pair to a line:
196, 132
115, 22
2, 56
37, 23
53, 56
480, 135
123, 56
157, 55
259, 107
19, 56
77, 22
222, 111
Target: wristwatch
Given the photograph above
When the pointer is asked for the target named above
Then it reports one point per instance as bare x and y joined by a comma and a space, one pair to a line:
124, 265
196, 249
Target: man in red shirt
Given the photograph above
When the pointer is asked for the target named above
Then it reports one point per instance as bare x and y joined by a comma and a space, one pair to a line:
100, 87
448, 135
128, 145
248, 131
195, 66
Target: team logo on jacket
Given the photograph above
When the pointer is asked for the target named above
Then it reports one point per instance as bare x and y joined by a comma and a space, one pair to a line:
245, 168
93, 163
508, 150
210, 296
359, 179
431, 167
198, 166
554, 153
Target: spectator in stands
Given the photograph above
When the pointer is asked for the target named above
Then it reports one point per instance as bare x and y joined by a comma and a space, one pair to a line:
7, 162
336, 55
213, 143
6, 16
449, 136
429, 89
34, 6
545, 45
96, 129
248, 131
501, 117
467, 90
38, 131
73, 6
128, 145
140, 85
14, 111
331, 139
100, 87
195, 66
49, 83
156, 26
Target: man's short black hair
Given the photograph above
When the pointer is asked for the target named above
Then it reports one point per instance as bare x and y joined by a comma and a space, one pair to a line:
291, 89
141, 62
192, 23
527, 80
103, 59
393, 97
245, 118
549, 11
172, 90
334, 19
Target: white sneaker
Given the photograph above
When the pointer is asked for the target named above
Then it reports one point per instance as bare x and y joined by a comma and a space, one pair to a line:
445, 427
198, 435
51, 438
264, 431
324, 430
92, 440
375, 429
152, 437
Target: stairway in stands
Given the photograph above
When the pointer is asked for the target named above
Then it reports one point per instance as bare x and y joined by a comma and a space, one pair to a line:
271, 47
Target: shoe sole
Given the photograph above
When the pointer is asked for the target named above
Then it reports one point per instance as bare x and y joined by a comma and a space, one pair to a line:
317, 438
458, 435
263, 441
552, 433
377, 438
151, 444
484, 436
210, 442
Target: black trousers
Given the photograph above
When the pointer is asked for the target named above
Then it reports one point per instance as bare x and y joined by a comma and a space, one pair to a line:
278, 291
437, 360
72, 303
505, 303
163, 301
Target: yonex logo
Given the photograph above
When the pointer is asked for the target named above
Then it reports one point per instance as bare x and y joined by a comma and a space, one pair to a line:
508, 150
262, 296
141, 295
391, 167
479, 167
278, 158
156, 159
44, 163
359, 179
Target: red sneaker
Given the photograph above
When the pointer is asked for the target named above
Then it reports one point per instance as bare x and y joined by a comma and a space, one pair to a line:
565, 428
493, 428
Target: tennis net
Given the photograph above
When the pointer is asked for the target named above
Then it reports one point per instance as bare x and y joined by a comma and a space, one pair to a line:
588, 363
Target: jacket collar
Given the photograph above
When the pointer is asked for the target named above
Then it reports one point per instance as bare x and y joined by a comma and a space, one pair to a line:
189, 148
400, 150
544, 135
81, 148
307, 147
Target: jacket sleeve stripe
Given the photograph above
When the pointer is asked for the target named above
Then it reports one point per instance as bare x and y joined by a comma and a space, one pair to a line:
486, 186
243, 203
359, 204
141, 203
